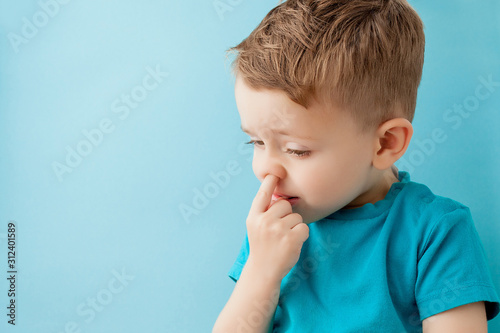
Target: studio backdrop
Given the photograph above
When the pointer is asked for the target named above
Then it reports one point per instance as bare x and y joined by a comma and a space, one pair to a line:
124, 180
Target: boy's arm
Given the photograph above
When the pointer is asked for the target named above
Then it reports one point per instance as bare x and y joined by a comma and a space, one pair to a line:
275, 237
252, 304
462, 319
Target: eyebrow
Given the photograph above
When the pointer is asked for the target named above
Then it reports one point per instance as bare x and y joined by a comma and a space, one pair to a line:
280, 132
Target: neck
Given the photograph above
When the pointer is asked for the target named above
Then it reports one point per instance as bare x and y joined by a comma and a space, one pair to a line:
378, 190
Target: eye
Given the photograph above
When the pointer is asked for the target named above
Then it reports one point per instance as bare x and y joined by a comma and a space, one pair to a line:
299, 153
253, 142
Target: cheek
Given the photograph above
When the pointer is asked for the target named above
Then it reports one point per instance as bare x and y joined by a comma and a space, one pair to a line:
319, 182
335, 177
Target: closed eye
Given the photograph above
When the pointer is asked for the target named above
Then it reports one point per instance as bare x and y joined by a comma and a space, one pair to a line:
298, 153
253, 142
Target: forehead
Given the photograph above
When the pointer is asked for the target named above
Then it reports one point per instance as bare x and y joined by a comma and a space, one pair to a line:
273, 110
257, 99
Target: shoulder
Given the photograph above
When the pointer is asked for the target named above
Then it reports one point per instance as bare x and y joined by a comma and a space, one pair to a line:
418, 201
419, 213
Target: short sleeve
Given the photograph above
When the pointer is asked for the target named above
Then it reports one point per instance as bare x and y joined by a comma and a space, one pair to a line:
235, 271
452, 269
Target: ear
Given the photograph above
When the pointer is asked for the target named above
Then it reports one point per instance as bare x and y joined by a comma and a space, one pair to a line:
391, 141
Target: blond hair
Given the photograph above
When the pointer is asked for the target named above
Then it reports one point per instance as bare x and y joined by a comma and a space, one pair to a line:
362, 55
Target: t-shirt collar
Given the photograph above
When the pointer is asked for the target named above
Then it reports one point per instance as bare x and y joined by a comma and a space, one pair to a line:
370, 210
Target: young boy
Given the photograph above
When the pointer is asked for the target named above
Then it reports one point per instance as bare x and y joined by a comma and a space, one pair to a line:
339, 240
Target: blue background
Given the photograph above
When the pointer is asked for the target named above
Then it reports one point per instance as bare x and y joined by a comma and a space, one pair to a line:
119, 210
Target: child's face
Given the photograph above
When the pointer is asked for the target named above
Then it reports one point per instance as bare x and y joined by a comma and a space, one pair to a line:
336, 170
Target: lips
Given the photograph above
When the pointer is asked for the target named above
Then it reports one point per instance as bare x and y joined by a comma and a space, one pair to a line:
283, 195
290, 199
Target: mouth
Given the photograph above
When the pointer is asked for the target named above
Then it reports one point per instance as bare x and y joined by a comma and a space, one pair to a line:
290, 199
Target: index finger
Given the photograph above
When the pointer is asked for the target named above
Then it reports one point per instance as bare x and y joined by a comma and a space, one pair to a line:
264, 194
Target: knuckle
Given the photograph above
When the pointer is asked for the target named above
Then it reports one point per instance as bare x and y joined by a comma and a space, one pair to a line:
297, 217
275, 230
304, 229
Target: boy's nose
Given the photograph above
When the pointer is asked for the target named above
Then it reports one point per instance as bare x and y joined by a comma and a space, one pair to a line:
267, 164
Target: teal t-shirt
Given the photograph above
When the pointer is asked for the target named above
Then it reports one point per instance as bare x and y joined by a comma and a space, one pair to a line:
384, 267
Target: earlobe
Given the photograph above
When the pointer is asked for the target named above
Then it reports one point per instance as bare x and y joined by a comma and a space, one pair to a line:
391, 141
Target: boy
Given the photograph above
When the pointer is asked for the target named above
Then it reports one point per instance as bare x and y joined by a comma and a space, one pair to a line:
339, 240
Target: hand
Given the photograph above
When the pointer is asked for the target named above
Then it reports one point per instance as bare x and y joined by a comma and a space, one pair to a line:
275, 233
